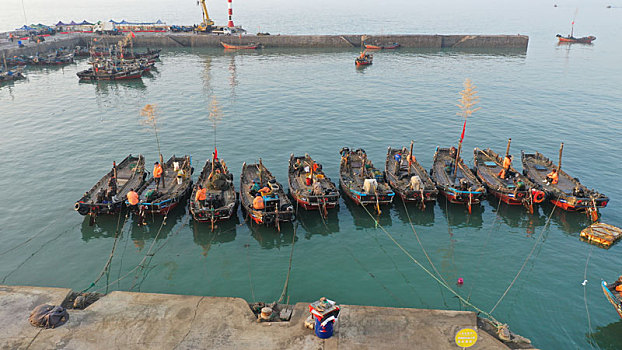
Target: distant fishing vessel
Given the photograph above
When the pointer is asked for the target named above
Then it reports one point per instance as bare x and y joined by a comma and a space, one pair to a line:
249, 46
571, 39
364, 59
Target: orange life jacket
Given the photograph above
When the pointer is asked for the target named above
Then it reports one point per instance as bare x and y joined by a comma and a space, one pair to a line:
315, 166
506, 163
132, 197
258, 203
201, 194
157, 171
554, 176
619, 288
265, 191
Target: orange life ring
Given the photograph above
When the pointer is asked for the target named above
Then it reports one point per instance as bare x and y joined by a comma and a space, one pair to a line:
520, 195
538, 196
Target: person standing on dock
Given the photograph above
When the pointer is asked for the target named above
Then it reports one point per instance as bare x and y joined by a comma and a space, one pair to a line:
157, 174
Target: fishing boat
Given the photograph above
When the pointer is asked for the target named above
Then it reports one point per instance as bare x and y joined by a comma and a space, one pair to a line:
456, 181
108, 194
364, 59
361, 181
12, 74
568, 194
388, 46
277, 207
249, 46
221, 199
309, 185
175, 186
408, 178
489, 168
109, 71
572, 39
613, 296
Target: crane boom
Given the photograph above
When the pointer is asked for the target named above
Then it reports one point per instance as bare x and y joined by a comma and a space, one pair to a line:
207, 22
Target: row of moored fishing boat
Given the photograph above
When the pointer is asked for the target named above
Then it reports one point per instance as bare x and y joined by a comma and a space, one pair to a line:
214, 198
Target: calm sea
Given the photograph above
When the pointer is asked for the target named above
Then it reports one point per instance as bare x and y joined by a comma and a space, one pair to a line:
59, 136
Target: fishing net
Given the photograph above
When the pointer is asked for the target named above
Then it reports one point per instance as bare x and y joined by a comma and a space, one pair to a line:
48, 316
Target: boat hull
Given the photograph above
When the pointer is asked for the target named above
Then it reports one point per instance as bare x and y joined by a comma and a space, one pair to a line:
366, 199
612, 298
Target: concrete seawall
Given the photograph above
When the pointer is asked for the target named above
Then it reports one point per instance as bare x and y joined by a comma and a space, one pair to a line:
125, 320
155, 40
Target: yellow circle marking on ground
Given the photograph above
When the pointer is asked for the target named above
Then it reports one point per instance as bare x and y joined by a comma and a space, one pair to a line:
466, 338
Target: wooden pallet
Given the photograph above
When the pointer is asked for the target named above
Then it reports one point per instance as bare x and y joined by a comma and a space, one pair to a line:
601, 234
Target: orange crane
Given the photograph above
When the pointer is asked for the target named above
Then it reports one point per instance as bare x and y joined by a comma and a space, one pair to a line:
206, 25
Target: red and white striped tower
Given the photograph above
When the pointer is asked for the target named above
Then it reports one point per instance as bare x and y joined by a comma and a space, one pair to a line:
230, 24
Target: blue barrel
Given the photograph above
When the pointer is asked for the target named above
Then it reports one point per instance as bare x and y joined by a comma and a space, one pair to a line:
323, 332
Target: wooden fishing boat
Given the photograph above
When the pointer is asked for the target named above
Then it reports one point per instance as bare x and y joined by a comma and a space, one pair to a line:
488, 166
361, 181
388, 46
309, 186
120, 73
12, 74
249, 46
457, 183
109, 193
365, 59
175, 186
572, 39
408, 178
568, 194
221, 199
613, 296
277, 207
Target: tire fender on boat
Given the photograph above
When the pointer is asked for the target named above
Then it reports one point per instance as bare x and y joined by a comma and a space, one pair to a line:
538, 196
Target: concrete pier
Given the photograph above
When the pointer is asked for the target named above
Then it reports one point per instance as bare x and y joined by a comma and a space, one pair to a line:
124, 320
155, 40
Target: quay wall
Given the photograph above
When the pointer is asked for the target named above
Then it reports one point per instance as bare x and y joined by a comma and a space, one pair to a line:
156, 40
166, 321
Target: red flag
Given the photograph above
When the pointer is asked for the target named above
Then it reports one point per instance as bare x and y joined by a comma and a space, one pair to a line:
463, 129
215, 153
133, 35
573, 22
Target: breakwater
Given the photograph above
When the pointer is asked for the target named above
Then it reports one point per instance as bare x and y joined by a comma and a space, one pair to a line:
519, 42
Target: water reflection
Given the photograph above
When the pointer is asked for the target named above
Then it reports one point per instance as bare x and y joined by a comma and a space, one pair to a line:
570, 222
104, 87
204, 237
105, 227
313, 223
458, 215
361, 216
608, 337
417, 216
156, 228
269, 237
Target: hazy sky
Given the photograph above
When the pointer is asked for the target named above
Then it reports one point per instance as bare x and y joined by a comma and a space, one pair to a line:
318, 15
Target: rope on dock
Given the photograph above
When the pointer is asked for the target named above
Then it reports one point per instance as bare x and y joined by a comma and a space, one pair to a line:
546, 225
466, 302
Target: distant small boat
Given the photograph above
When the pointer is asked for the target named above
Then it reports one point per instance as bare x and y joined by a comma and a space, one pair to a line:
572, 39
365, 59
249, 46
613, 296
389, 46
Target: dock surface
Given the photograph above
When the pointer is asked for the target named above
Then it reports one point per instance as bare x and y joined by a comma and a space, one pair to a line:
126, 320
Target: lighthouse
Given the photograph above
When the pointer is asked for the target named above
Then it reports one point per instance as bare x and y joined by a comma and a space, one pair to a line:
230, 23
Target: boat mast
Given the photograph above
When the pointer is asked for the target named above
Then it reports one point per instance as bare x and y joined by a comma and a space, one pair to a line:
559, 164
507, 149
410, 157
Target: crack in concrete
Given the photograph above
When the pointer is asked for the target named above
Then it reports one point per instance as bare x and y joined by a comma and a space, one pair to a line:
196, 308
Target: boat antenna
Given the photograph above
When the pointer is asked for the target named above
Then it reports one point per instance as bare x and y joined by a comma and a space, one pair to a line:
467, 102
150, 119
24, 9
410, 157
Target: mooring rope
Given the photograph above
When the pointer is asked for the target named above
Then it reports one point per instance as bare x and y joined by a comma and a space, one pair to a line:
546, 225
32, 237
466, 302
114, 246
481, 255
289, 269
587, 310
421, 244
250, 277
